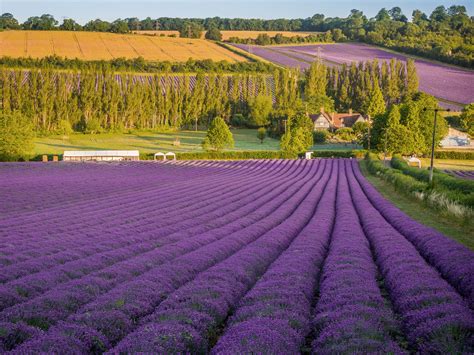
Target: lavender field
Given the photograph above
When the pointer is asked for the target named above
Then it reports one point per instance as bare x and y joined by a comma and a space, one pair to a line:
449, 83
225, 258
463, 174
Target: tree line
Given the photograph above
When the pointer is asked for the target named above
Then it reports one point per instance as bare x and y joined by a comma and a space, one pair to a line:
57, 102
446, 34
138, 65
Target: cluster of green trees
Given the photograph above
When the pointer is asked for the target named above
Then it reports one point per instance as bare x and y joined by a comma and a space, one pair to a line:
265, 40
108, 101
138, 65
368, 87
446, 34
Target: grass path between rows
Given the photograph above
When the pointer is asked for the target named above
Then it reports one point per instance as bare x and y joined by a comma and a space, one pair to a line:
463, 233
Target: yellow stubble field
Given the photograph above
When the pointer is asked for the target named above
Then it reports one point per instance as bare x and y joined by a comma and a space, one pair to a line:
95, 46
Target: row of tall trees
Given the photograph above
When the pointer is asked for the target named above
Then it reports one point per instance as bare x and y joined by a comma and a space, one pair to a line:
446, 34
367, 87
106, 101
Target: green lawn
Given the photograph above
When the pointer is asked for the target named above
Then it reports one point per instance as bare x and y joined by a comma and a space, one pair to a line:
462, 232
152, 142
147, 142
449, 164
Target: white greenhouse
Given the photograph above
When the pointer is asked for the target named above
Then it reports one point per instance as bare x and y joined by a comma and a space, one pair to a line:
102, 155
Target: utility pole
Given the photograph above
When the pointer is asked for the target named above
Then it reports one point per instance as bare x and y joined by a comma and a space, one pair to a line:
368, 135
433, 140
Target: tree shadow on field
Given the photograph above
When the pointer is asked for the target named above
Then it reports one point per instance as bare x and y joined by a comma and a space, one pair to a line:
68, 146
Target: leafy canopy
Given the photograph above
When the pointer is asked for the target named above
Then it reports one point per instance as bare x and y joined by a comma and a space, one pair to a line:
218, 136
16, 136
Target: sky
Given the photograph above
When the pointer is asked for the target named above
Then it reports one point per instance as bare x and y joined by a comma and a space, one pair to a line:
85, 10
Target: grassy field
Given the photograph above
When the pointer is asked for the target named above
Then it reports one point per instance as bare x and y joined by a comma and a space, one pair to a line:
95, 46
147, 142
152, 142
463, 233
228, 34
449, 164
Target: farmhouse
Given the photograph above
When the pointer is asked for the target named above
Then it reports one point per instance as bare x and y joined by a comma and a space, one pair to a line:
333, 121
102, 155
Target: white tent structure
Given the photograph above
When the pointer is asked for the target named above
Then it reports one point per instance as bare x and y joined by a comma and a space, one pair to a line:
102, 155
164, 156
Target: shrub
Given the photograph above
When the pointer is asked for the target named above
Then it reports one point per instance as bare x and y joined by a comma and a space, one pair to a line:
455, 189
261, 134
218, 136
345, 134
457, 155
239, 120
16, 137
320, 137
214, 34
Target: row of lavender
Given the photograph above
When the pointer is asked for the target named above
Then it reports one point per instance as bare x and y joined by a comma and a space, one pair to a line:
301, 254
454, 85
463, 174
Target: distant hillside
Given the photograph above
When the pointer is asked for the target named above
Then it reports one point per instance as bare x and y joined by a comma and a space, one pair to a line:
96, 46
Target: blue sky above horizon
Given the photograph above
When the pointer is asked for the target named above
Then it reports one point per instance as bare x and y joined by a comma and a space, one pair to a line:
85, 10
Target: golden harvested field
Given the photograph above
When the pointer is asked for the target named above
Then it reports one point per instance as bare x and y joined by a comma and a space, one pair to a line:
228, 34
94, 46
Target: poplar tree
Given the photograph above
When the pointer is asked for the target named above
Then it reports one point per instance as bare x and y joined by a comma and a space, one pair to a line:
412, 79
376, 104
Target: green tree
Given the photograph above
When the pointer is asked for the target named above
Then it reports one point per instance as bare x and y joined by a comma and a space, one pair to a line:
70, 25
467, 119
299, 135
16, 136
263, 40
218, 136
7, 21
64, 128
376, 104
214, 34
261, 134
412, 79
260, 109
190, 30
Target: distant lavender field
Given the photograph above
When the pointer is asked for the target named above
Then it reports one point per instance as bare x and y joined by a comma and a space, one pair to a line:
443, 81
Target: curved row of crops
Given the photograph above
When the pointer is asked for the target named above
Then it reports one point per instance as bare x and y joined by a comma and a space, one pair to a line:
222, 257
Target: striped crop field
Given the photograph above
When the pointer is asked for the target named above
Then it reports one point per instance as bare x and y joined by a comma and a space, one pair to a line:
222, 257
106, 46
226, 35
453, 86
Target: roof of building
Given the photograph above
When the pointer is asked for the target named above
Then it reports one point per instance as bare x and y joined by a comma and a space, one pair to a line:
338, 119
348, 119
101, 153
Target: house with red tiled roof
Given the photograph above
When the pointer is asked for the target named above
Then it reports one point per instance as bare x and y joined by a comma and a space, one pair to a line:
333, 121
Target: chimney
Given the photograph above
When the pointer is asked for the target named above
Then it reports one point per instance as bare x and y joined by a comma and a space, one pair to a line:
332, 116
350, 111
322, 109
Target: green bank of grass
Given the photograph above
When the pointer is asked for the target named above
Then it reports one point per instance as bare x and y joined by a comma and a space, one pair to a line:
147, 142
152, 142
449, 164
463, 233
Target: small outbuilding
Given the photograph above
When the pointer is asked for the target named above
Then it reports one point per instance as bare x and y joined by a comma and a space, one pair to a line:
102, 155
